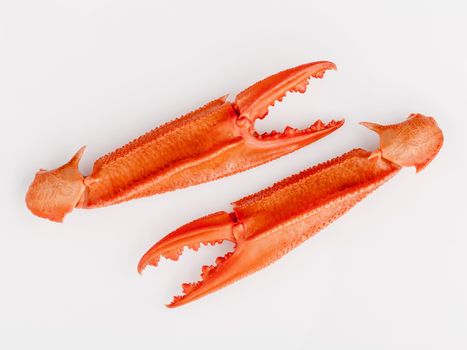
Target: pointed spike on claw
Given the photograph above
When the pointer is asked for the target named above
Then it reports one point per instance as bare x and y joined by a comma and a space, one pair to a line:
253, 102
318, 124
318, 75
195, 246
414, 142
188, 287
77, 156
301, 87
174, 254
154, 262
205, 270
293, 138
372, 126
55, 193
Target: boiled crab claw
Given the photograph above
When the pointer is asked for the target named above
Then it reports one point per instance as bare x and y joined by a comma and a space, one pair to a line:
211, 142
268, 224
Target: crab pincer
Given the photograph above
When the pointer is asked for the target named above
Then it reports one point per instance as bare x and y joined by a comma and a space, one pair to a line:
268, 224
216, 140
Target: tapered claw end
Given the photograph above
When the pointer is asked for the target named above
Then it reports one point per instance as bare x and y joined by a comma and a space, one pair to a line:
55, 193
253, 102
414, 142
210, 229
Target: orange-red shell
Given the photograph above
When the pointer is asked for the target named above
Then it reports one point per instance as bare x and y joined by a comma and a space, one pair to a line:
268, 224
211, 142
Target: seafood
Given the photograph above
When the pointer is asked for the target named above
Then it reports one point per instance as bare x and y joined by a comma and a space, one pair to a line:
216, 140
268, 224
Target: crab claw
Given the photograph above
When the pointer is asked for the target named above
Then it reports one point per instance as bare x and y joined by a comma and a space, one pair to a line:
268, 224
214, 141
253, 103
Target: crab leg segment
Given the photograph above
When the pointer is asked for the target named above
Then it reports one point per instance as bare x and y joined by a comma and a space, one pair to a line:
268, 224
211, 142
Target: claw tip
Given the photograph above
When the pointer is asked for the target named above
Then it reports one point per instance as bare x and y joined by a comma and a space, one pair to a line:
332, 66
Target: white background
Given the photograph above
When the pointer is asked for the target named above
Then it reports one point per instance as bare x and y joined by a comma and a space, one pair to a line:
391, 274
